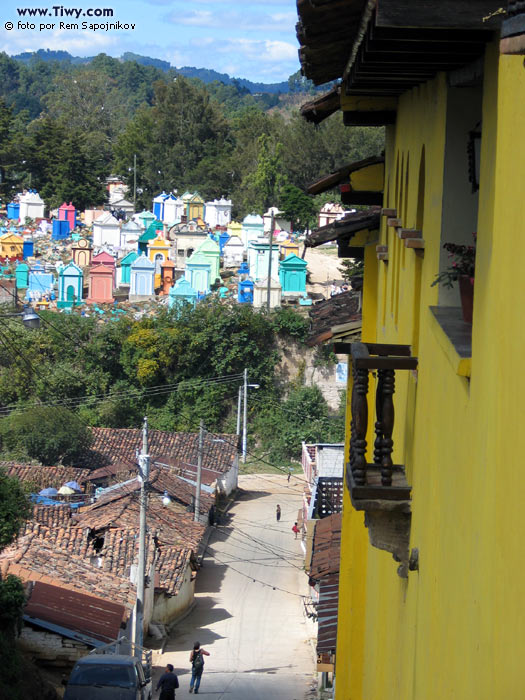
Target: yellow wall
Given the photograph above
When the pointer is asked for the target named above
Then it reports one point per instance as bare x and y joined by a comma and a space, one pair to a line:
456, 628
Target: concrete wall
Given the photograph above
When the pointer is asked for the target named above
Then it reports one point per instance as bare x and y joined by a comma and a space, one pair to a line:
168, 608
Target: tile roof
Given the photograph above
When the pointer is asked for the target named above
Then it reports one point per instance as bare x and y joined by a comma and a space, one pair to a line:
43, 477
52, 516
346, 227
37, 556
112, 445
326, 547
339, 309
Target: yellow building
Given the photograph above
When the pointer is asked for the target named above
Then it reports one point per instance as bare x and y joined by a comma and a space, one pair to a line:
431, 589
11, 245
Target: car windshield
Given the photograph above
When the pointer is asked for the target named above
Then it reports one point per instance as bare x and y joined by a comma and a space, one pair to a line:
107, 674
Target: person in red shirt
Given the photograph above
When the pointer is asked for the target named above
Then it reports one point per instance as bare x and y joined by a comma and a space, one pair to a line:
295, 529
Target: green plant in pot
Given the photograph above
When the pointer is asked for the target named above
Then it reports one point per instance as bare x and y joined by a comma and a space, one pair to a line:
461, 269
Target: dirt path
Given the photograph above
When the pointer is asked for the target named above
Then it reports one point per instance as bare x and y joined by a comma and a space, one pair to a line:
323, 266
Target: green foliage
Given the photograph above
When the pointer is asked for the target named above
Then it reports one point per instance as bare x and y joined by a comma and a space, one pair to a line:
14, 510
288, 323
351, 269
303, 416
50, 435
298, 207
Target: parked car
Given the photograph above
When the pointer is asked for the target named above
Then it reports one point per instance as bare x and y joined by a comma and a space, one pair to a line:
108, 677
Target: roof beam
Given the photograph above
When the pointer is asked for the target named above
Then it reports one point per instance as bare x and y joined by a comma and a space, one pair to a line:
446, 14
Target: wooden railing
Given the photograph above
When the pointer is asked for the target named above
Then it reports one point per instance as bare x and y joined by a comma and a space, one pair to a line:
381, 478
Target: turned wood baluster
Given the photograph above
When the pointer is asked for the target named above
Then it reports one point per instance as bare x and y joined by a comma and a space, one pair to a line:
378, 444
360, 421
387, 412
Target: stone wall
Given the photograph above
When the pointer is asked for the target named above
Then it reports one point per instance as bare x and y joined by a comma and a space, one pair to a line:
297, 362
51, 648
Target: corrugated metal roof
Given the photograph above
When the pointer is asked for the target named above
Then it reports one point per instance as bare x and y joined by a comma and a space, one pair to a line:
94, 617
327, 613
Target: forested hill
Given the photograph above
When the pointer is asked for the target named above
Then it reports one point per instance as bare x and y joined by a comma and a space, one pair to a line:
206, 75
64, 128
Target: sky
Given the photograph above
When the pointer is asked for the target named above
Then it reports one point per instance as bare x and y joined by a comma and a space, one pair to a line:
254, 39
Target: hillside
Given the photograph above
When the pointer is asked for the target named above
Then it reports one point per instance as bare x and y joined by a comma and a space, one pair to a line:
206, 75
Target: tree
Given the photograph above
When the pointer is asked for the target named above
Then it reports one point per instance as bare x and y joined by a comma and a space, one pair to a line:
298, 207
52, 435
14, 510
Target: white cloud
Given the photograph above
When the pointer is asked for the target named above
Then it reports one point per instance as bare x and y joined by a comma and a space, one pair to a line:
234, 21
72, 41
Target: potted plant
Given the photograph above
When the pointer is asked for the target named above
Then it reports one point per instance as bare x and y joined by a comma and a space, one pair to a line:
461, 270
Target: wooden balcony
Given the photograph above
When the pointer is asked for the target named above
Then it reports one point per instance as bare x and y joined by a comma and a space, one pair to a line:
380, 487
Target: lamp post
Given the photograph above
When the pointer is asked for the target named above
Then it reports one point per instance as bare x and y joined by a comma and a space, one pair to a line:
245, 414
29, 318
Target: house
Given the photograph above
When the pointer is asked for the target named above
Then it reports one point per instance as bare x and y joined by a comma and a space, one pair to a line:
106, 231
122, 208
434, 426
198, 272
210, 249
22, 276
82, 251
13, 210
292, 275
144, 218
70, 281
61, 229
67, 212
39, 282
279, 223
259, 257
233, 252
130, 233
11, 246
245, 291
329, 213
157, 251
178, 451
90, 215
101, 282
142, 279
261, 291
288, 246
32, 206
158, 205
150, 234
186, 237
323, 468
106, 259
167, 276
124, 268
174, 210
182, 293
323, 577
194, 206
252, 229
218, 212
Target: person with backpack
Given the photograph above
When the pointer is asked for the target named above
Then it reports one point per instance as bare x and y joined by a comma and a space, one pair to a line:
197, 666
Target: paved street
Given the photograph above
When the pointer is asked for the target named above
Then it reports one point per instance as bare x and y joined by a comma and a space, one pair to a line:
255, 633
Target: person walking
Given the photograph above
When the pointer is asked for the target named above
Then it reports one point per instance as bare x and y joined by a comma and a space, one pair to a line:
197, 666
295, 530
278, 513
167, 684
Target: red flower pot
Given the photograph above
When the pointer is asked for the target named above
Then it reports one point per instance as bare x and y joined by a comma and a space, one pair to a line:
466, 292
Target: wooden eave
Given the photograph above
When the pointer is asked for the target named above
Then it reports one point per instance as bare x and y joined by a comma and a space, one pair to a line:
342, 174
397, 46
321, 108
366, 219
513, 29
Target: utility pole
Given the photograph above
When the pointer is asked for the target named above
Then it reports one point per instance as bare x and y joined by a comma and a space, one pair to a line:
141, 569
135, 181
272, 226
245, 416
239, 405
199, 473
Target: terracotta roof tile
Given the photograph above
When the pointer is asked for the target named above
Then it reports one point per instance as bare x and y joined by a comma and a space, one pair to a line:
326, 547
44, 477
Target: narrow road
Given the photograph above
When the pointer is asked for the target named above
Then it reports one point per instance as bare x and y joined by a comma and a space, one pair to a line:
249, 611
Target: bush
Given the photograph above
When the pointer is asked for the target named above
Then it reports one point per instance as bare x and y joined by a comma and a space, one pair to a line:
51, 435
288, 323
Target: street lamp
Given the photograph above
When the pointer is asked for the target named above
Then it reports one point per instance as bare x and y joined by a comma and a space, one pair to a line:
29, 318
245, 414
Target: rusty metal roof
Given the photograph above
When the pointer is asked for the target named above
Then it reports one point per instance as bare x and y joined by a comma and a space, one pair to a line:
94, 617
327, 614
326, 547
